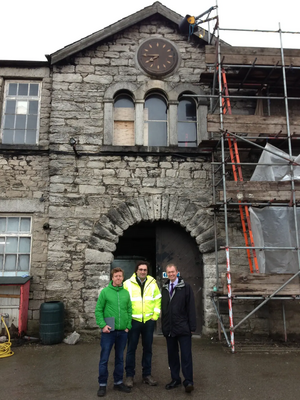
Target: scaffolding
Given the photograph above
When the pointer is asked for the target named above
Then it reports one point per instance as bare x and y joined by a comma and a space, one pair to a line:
265, 77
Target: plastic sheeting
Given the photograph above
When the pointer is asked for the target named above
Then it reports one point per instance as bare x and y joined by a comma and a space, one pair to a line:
275, 226
272, 172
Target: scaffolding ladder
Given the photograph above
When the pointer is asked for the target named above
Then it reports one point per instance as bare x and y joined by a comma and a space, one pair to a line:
238, 177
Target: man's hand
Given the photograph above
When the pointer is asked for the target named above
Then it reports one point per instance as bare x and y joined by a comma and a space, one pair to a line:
106, 329
126, 330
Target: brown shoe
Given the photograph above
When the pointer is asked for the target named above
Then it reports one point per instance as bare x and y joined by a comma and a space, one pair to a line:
129, 381
149, 380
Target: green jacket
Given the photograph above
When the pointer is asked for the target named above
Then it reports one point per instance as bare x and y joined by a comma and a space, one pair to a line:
114, 301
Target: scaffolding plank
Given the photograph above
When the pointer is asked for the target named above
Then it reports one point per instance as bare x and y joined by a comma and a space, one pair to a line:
252, 191
247, 55
261, 284
254, 125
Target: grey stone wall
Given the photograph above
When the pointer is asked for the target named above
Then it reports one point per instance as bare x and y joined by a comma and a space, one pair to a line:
90, 200
96, 197
91, 194
24, 185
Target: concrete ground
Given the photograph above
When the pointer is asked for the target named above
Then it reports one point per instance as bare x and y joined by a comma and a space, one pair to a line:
38, 372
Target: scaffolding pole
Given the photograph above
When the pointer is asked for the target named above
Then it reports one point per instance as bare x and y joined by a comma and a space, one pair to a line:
222, 98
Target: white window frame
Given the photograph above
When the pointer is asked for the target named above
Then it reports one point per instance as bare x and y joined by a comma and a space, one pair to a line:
19, 99
4, 240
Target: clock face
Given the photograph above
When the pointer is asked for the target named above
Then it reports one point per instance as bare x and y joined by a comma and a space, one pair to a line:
157, 57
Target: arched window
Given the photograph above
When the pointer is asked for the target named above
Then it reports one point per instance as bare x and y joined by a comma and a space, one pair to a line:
123, 120
155, 118
187, 123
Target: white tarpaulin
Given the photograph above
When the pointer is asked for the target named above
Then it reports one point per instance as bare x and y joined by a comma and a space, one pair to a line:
272, 172
275, 226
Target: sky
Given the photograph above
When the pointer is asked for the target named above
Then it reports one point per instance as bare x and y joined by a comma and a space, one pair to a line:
33, 28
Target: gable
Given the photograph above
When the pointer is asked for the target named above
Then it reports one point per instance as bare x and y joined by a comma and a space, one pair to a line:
155, 9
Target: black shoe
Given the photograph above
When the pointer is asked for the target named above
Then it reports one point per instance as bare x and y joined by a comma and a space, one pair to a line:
101, 391
173, 384
122, 388
189, 388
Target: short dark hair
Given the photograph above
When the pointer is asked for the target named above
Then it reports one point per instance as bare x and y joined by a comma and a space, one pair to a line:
142, 263
115, 270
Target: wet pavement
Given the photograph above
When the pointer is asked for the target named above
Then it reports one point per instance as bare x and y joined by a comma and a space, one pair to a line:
62, 371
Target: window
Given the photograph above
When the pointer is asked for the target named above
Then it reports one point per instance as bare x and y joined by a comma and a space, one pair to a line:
187, 123
153, 115
15, 246
21, 113
155, 118
123, 120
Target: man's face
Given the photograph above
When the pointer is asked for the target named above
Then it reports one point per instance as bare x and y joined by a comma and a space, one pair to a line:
172, 273
117, 278
142, 271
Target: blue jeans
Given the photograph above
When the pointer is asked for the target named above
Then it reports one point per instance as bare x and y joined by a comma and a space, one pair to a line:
119, 339
146, 330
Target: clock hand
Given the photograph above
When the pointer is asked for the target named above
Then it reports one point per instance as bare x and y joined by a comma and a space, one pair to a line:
151, 55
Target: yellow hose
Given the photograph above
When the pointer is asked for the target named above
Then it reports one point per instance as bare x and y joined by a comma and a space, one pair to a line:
5, 350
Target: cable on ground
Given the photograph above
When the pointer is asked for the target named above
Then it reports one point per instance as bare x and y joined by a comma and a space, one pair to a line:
5, 348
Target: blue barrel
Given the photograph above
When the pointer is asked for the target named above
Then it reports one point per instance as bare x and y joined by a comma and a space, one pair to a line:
52, 322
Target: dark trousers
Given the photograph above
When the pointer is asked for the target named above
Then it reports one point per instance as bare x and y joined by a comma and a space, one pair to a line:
146, 330
185, 343
108, 340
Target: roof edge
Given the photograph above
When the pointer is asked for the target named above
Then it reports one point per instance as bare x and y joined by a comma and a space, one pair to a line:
155, 8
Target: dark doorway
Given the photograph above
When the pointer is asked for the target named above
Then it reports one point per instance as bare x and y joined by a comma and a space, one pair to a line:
160, 243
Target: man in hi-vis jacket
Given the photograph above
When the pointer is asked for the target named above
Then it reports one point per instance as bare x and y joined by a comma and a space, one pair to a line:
146, 300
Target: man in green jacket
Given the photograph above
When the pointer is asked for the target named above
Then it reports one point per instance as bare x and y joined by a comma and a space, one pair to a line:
113, 315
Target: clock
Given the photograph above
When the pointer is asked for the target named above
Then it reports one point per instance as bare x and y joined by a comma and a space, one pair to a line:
158, 57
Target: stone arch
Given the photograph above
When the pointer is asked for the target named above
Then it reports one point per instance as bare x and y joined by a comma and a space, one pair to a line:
185, 87
117, 87
151, 86
193, 218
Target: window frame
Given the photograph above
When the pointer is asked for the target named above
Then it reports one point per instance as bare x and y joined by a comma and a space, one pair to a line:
19, 234
186, 121
148, 122
139, 94
123, 120
18, 98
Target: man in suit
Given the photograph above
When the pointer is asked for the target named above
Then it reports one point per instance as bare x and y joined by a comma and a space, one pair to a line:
178, 324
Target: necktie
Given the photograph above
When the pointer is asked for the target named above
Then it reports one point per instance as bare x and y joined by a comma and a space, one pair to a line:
172, 289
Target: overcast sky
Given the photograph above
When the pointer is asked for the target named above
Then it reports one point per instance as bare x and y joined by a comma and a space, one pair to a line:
32, 28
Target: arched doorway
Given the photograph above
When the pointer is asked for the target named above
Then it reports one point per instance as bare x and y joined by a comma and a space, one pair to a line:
162, 242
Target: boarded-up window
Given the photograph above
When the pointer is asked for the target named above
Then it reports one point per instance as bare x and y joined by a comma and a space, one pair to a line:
123, 121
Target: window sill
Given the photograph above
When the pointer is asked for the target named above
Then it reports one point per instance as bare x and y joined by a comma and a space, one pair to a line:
23, 148
126, 150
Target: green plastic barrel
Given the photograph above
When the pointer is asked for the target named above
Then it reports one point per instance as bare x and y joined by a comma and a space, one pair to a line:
52, 322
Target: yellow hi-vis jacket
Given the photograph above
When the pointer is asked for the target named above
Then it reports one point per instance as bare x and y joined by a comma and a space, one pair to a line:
148, 306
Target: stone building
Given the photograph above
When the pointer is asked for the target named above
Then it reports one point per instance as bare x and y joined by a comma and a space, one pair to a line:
104, 157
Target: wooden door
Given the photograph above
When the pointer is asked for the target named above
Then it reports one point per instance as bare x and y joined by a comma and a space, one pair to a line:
174, 244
